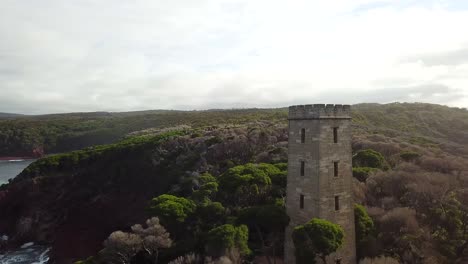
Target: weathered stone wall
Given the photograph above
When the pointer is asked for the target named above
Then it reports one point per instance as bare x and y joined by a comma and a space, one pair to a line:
319, 185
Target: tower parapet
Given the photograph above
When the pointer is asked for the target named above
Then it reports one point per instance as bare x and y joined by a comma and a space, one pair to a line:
320, 111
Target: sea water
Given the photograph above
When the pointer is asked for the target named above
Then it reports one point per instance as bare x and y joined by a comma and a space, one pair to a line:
26, 254
29, 253
10, 168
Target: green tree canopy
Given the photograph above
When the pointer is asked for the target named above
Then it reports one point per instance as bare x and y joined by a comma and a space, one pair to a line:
363, 222
210, 214
269, 222
270, 218
170, 208
208, 187
223, 238
365, 231
362, 173
316, 238
369, 158
246, 183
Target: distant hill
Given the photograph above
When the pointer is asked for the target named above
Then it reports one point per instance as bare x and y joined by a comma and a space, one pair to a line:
53, 133
9, 115
29, 135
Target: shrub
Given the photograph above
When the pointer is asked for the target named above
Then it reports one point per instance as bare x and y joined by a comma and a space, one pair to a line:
214, 140
379, 260
369, 158
362, 173
409, 156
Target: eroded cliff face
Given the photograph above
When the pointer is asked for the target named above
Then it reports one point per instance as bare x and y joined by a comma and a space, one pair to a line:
75, 206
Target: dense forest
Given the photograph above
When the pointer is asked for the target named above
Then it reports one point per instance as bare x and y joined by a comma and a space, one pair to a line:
209, 186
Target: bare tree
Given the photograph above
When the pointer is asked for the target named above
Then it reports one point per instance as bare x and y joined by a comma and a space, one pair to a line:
121, 246
153, 237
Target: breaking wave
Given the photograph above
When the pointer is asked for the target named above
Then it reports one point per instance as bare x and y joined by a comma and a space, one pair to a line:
27, 254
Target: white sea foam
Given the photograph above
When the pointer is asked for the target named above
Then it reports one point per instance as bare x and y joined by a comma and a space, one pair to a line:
29, 254
26, 245
43, 258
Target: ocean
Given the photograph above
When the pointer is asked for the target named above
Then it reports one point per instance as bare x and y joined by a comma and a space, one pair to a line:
10, 168
28, 253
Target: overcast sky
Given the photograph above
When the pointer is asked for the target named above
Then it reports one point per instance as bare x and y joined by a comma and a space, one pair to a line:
121, 55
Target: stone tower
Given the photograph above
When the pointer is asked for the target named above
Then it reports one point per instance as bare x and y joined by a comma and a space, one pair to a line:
319, 174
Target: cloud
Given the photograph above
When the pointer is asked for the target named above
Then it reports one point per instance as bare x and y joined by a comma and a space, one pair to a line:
58, 56
429, 93
449, 58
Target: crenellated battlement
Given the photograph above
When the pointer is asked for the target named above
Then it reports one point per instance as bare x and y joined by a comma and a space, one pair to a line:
320, 111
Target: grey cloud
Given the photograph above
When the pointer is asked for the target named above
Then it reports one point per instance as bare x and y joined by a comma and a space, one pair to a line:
117, 59
63, 56
432, 92
452, 58
187, 92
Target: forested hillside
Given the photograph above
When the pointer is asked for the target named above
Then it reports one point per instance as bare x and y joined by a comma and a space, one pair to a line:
37, 135
33, 135
427, 125
216, 179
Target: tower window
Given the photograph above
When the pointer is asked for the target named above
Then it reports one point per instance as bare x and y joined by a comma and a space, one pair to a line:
303, 135
301, 203
337, 203
335, 135
335, 168
302, 168
338, 261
